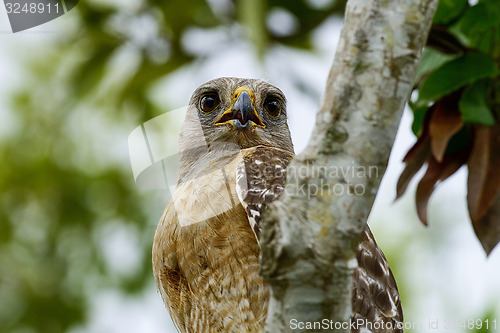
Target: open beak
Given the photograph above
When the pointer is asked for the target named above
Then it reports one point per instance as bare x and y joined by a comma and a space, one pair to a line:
242, 113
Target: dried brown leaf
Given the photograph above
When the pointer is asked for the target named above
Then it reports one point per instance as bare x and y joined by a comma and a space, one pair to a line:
445, 122
484, 177
437, 172
415, 157
426, 187
421, 151
488, 229
422, 139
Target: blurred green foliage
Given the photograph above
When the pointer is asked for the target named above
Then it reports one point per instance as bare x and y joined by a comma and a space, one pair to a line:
455, 99
463, 48
67, 188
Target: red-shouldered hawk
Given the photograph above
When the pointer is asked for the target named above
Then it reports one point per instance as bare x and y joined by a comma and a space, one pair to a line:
235, 146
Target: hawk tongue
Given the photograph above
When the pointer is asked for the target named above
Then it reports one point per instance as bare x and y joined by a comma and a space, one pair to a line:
240, 118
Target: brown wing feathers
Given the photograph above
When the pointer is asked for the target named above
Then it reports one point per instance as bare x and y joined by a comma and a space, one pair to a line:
260, 180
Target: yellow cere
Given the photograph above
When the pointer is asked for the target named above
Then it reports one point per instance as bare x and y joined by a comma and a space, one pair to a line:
239, 90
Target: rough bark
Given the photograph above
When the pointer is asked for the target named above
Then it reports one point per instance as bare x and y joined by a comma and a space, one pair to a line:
310, 235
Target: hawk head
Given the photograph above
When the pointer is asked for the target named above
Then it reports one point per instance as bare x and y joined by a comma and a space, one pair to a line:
228, 114
245, 112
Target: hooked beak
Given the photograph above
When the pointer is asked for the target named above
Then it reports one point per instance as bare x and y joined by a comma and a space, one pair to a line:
241, 114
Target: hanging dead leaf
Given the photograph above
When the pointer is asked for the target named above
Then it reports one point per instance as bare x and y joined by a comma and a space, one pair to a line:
421, 151
483, 182
445, 122
425, 188
488, 228
437, 172
415, 157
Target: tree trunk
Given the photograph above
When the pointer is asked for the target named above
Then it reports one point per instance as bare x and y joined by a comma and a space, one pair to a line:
309, 237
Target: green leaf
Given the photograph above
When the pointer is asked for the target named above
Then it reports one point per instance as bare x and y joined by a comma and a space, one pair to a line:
476, 19
473, 105
478, 25
448, 10
431, 60
455, 74
418, 119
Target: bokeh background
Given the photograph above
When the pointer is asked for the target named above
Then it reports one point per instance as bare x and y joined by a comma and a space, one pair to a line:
75, 229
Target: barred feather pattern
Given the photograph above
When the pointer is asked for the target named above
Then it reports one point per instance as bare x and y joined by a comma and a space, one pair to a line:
260, 179
375, 298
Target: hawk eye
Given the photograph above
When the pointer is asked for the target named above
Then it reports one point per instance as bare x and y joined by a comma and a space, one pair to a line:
209, 102
272, 106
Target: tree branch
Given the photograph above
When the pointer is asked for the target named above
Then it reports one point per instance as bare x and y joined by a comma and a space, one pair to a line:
310, 236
